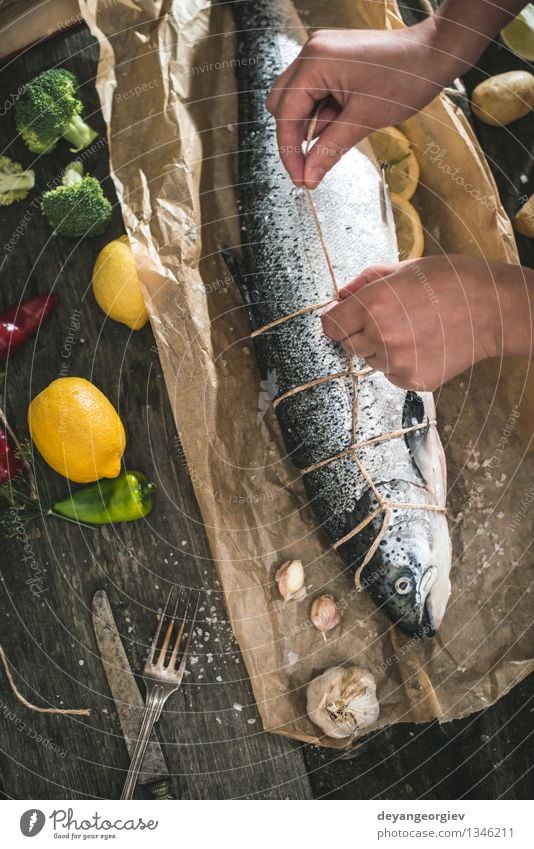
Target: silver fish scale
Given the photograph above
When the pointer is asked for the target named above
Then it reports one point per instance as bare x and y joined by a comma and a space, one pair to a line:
284, 270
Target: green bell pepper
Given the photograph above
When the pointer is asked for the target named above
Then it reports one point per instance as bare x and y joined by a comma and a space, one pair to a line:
123, 499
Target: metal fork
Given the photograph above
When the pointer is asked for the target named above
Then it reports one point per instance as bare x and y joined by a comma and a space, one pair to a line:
162, 677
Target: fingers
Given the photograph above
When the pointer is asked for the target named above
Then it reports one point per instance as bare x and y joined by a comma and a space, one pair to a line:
277, 90
348, 315
331, 144
369, 275
329, 112
359, 345
379, 319
342, 319
292, 119
291, 134
292, 102
404, 380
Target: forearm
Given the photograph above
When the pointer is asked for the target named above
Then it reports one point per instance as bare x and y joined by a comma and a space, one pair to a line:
514, 316
460, 30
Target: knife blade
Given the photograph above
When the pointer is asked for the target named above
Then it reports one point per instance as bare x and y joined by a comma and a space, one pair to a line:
128, 700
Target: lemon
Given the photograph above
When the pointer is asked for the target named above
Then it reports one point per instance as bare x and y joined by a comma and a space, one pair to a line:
77, 430
410, 238
116, 286
394, 152
518, 35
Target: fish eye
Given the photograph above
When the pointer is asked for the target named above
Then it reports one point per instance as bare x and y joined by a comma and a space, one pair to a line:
403, 586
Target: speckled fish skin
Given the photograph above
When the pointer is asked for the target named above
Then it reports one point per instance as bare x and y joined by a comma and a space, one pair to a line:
283, 269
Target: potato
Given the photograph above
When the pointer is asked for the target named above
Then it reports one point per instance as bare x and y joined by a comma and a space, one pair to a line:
504, 98
524, 220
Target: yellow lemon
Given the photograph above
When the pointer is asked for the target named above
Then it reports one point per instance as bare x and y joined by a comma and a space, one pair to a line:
394, 152
410, 238
518, 35
77, 430
116, 286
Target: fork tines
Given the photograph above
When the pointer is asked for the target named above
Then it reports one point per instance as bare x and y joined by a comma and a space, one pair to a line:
174, 630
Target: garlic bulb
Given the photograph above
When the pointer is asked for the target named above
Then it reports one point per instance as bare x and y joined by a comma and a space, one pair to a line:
290, 580
325, 614
342, 701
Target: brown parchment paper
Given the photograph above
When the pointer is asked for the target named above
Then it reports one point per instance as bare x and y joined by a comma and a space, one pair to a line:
166, 83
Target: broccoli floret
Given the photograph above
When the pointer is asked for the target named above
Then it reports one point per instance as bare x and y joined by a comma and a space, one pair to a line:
14, 182
78, 207
48, 108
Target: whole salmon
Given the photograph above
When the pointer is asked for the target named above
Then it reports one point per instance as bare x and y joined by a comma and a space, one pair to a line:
283, 270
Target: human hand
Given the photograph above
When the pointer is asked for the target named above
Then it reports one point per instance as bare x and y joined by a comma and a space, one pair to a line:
422, 322
372, 79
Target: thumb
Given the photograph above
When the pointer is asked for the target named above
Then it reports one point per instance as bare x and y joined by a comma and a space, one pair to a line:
338, 137
369, 275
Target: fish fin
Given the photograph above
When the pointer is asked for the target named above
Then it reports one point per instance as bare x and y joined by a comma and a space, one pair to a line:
233, 263
414, 413
424, 445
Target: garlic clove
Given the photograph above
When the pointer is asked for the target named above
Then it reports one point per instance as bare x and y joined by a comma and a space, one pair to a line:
342, 701
290, 580
325, 614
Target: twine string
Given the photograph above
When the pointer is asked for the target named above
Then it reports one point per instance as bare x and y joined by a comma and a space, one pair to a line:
284, 318
27, 704
373, 440
384, 507
318, 381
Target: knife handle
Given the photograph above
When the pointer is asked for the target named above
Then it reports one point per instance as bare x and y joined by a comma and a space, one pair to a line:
161, 790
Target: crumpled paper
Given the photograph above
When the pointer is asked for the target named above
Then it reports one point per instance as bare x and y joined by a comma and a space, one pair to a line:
166, 84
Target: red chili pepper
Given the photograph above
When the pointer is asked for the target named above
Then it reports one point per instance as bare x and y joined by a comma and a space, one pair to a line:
9, 464
19, 322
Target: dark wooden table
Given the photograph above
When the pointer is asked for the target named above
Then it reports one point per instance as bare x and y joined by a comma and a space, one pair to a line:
211, 736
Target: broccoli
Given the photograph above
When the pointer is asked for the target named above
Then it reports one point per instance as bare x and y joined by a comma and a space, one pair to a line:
78, 207
14, 182
48, 108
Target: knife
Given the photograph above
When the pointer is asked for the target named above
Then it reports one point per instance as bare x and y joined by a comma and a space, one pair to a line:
128, 700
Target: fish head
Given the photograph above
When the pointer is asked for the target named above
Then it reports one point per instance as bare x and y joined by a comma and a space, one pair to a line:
405, 598
409, 576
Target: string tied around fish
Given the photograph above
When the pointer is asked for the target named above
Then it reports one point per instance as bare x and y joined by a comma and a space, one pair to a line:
355, 374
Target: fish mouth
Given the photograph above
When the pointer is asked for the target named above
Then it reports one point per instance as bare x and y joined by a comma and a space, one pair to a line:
424, 626
421, 621
428, 626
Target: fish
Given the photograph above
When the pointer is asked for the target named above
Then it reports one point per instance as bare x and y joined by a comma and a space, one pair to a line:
280, 268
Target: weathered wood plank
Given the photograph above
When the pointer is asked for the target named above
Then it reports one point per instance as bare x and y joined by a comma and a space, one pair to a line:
211, 747
211, 734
